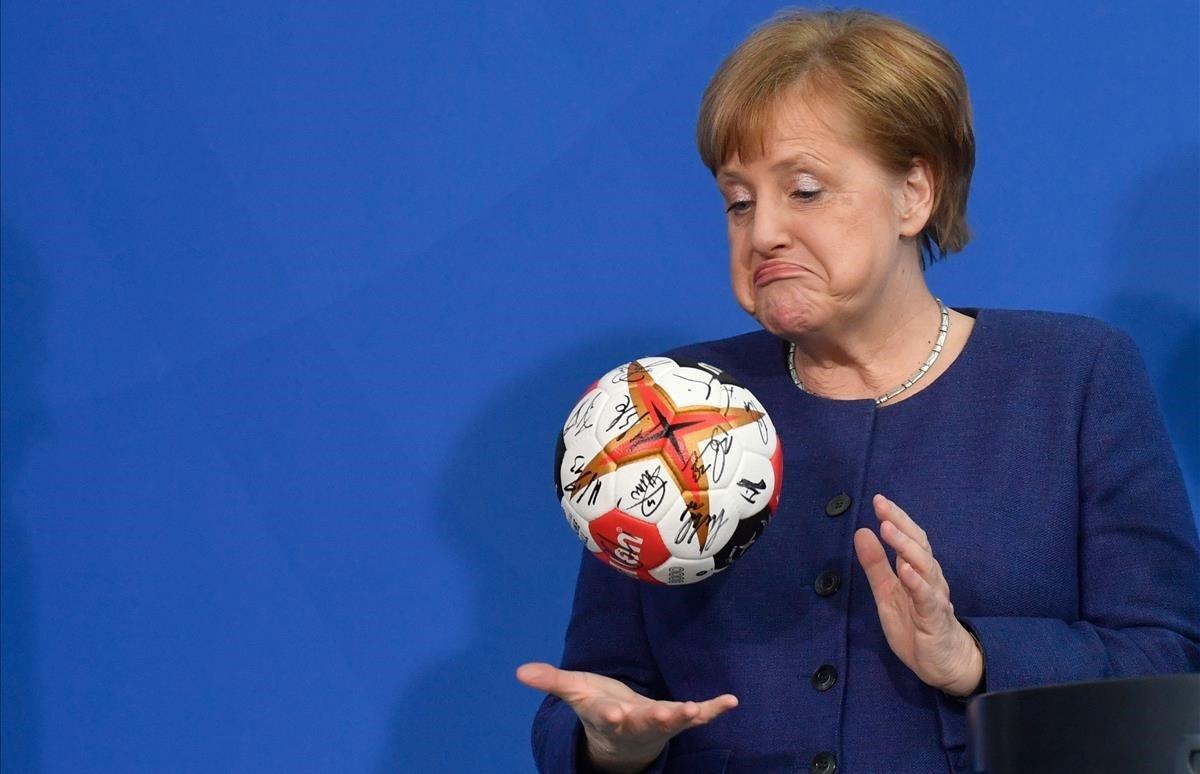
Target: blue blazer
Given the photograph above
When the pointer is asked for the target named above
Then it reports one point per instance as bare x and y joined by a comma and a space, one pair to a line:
1039, 466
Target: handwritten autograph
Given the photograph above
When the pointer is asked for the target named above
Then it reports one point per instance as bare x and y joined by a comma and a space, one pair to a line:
627, 414
707, 383
581, 417
761, 422
622, 374
692, 520
710, 458
753, 489
588, 484
650, 491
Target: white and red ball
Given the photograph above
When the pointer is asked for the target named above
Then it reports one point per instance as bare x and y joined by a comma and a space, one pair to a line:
668, 470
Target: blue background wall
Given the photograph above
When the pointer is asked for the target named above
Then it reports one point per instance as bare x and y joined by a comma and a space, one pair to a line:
295, 295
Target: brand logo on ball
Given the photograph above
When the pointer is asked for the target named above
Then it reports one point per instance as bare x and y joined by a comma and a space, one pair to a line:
628, 551
656, 439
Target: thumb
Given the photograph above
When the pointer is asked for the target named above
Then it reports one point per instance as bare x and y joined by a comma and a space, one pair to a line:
544, 677
874, 561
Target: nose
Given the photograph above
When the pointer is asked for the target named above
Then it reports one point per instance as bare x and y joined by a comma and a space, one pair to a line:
769, 233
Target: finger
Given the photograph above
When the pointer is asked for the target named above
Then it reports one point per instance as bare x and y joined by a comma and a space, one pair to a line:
673, 717
668, 717
886, 510
874, 563
909, 550
705, 711
923, 595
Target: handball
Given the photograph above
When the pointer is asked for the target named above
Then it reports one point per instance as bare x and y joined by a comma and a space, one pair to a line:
668, 470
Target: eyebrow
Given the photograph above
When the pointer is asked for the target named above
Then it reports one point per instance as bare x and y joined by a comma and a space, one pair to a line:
798, 159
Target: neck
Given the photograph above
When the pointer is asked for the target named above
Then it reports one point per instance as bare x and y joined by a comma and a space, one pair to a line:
870, 353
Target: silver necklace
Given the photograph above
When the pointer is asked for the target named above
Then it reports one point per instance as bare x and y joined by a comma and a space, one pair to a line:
943, 329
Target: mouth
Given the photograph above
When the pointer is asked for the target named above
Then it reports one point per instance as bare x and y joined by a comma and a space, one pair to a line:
776, 270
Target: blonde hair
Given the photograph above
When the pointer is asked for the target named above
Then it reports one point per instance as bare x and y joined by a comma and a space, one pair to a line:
905, 94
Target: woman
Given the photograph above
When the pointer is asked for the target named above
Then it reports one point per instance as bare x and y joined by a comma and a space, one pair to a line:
1014, 463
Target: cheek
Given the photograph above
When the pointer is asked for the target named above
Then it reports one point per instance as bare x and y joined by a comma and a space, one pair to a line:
740, 276
847, 248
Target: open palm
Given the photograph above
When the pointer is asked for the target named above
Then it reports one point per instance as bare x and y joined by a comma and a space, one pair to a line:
914, 603
625, 730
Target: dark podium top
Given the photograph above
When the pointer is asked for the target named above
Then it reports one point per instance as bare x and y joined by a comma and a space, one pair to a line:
1143, 724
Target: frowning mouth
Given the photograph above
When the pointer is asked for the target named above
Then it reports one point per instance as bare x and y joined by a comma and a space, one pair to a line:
776, 270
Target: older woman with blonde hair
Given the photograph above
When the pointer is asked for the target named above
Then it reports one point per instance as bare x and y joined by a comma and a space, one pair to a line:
974, 499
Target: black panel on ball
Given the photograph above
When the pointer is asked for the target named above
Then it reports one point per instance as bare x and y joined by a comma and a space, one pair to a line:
721, 377
743, 537
560, 451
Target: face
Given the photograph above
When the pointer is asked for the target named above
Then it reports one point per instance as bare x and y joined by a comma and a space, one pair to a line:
819, 232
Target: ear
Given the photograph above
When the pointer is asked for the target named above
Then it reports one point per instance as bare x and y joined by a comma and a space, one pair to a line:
916, 198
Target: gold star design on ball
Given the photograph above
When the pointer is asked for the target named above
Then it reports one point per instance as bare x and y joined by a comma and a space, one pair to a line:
692, 442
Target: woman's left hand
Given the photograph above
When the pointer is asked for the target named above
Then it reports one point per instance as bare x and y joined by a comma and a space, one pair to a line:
914, 603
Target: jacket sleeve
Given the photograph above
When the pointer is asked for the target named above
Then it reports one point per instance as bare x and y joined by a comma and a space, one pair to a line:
605, 635
1139, 564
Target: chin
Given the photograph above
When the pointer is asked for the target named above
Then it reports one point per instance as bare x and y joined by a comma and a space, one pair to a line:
788, 316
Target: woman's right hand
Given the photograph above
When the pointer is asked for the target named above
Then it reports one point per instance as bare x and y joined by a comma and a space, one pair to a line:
625, 730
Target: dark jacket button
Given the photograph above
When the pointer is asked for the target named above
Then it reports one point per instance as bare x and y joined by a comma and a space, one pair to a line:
838, 505
824, 678
824, 763
827, 583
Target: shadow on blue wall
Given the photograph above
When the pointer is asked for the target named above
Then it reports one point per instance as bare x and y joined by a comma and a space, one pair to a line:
498, 505
24, 298
1154, 260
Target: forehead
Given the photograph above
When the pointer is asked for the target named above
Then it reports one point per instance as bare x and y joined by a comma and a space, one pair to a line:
798, 123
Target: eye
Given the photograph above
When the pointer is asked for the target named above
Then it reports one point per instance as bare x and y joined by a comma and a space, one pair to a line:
805, 187
806, 194
739, 207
